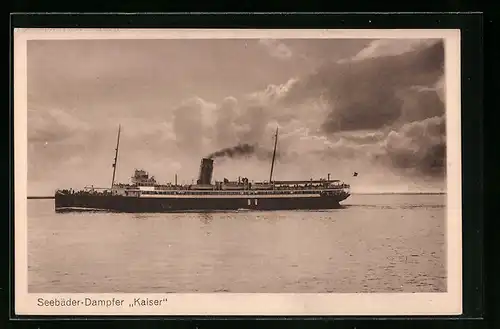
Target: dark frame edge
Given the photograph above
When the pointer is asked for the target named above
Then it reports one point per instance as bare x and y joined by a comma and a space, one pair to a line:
474, 128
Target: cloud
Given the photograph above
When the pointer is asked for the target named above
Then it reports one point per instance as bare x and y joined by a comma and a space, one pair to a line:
55, 139
60, 144
189, 120
274, 93
366, 94
53, 125
224, 129
397, 83
385, 109
418, 146
419, 103
276, 48
392, 47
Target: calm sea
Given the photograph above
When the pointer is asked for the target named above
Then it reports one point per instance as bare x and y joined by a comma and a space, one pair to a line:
377, 243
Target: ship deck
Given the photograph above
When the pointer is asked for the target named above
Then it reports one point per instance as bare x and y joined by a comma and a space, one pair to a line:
237, 192
183, 193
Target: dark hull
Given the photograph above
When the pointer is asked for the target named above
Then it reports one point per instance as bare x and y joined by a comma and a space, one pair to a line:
72, 202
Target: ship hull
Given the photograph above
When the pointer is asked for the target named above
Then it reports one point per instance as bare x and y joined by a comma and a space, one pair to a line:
118, 203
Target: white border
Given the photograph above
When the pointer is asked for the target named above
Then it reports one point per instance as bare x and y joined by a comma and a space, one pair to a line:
448, 303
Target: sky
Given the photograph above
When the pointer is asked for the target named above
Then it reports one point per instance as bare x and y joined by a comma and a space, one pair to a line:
374, 106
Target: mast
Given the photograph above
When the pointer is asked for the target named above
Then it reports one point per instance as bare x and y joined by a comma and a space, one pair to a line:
274, 155
116, 157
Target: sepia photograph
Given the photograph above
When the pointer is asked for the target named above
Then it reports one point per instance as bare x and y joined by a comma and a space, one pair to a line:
238, 172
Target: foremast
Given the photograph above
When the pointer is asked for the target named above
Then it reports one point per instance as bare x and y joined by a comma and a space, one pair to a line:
116, 157
274, 156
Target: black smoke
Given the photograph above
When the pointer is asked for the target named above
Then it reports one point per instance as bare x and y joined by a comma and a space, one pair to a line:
239, 150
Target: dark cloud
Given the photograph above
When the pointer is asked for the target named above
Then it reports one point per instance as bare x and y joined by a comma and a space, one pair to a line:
393, 101
419, 104
366, 94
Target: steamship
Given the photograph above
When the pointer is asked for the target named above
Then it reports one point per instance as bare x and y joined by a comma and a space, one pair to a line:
144, 195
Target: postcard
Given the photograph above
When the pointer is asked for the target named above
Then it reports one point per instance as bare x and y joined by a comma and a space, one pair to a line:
237, 172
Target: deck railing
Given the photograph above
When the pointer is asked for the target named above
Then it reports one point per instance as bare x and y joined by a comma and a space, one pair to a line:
191, 190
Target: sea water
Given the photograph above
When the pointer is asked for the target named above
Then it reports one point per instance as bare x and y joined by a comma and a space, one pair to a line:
375, 243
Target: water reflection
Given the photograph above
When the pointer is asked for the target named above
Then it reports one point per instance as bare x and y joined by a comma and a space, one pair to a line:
205, 217
141, 216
